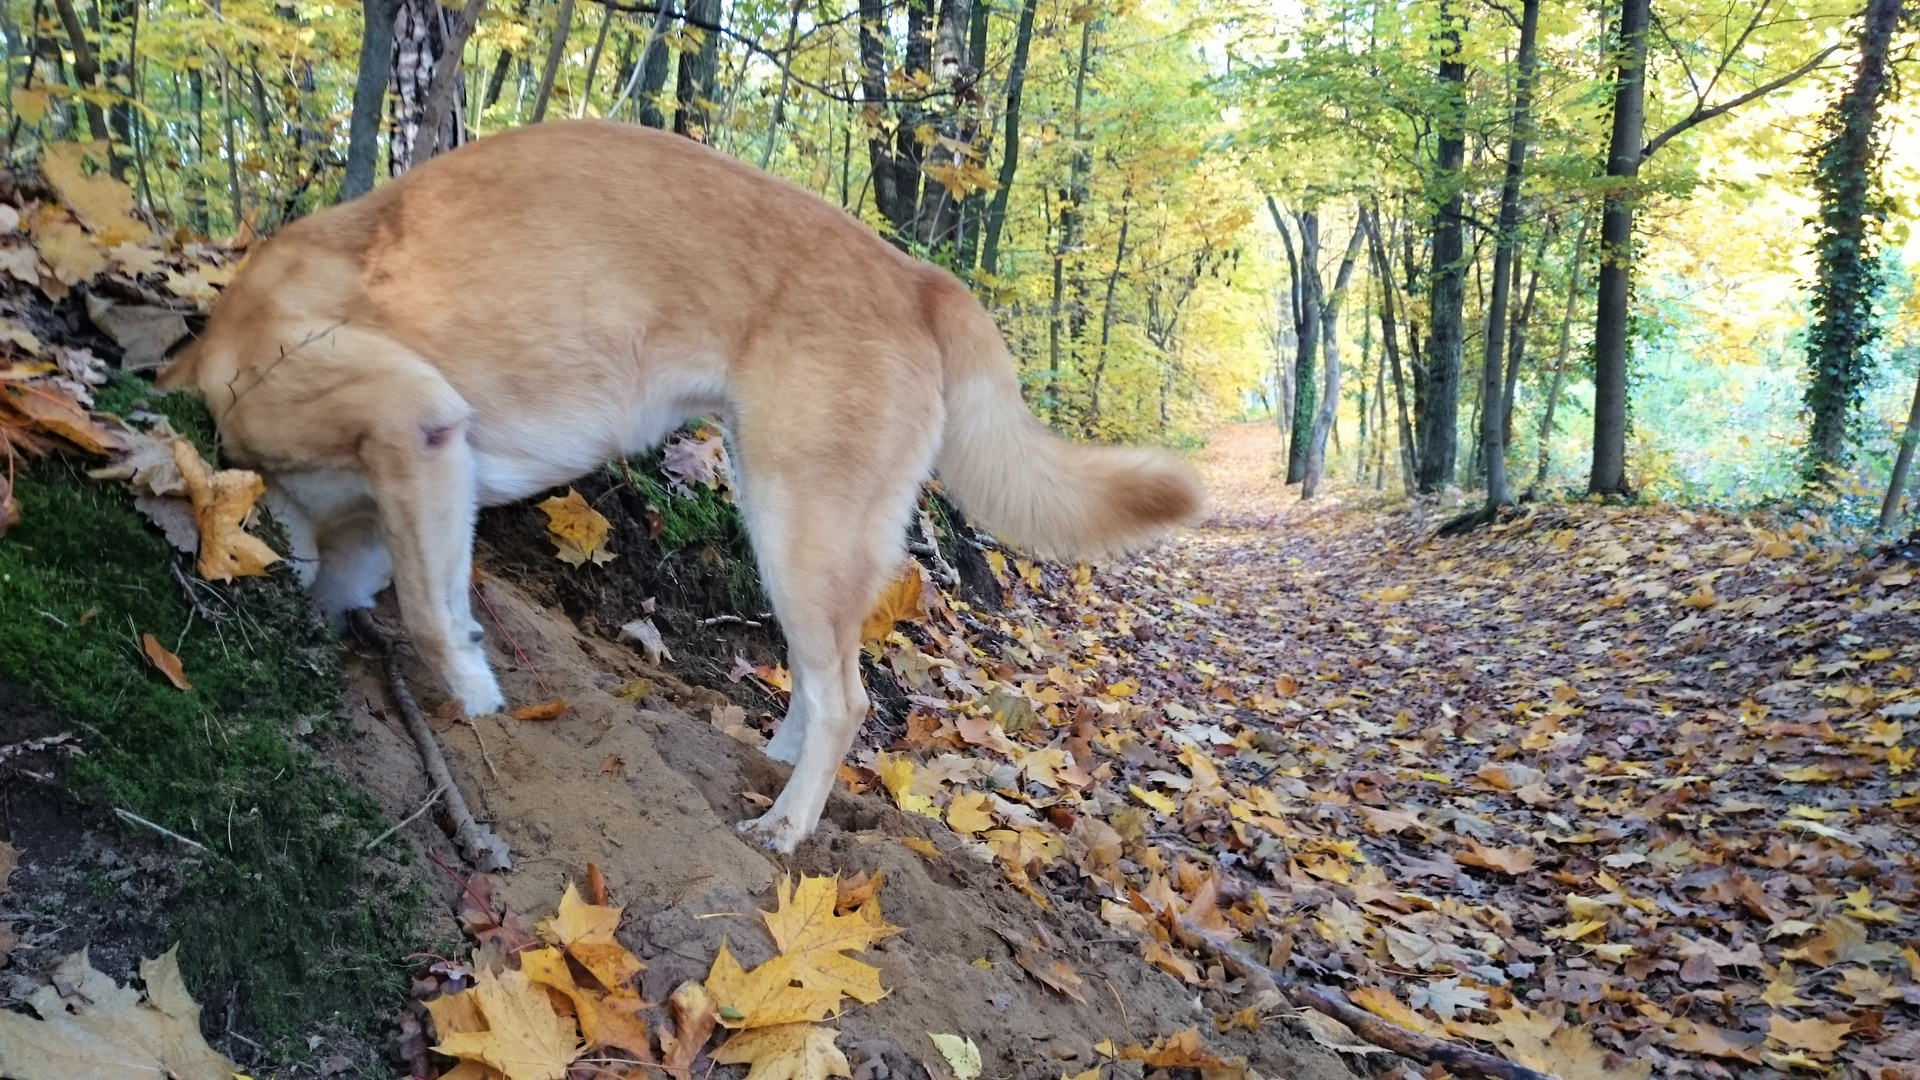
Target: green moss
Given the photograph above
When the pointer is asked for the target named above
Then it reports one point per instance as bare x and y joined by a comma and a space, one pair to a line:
282, 906
706, 526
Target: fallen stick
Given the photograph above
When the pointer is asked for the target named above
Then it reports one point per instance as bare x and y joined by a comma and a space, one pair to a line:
481, 846
128, 815
1425, 1049
406, 821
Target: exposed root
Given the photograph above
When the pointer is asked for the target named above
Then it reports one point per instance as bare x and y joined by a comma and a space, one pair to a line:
479, 844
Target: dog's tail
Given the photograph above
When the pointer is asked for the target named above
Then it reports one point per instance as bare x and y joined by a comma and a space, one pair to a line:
1022, 482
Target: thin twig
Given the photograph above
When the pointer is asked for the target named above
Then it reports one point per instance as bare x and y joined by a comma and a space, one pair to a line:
480, 844
406, 821
128, 815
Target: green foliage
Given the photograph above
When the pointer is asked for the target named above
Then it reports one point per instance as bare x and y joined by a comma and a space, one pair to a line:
282, 905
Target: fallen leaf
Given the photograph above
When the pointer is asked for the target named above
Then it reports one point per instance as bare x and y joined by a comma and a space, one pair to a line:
586, 932
167, 663
1812, 1034
898, 602
524, 1038
694, 1012
222, 502
546, 710
103, 203
765, 996
963, 1057
786, 1052
578, 531
91, 1027
815, 940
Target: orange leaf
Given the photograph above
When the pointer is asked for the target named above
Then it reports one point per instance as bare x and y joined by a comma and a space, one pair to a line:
168, 663
1507, 860
899, 602
544, 711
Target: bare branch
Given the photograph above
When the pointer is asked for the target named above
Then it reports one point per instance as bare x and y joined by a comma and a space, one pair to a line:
1702, 115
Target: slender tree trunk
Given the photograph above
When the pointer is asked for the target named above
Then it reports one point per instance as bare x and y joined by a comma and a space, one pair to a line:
1493, 403
1009, 141
1439, 437
1609, 472
786, 81
698, 82
1291, 316
1306, 390
1069, 210
593, 62
86, 72
1560, 355
1846, 172
427, 116
652, 75
556, 52
1517, 335
973, 210
1106, 313
198, 215
1390, 341
1328, 414
1902, 464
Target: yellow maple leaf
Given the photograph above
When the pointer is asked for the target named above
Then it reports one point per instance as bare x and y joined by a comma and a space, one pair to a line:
897, 774
606, 1020
524, 1037
786, 1052
899, 602
1380, 1001
585, 931
101, 202
967, 813
816, 940
1152, 798
1812, 1034
222, 502
1702, 598
68, 251
765, 996
577, 530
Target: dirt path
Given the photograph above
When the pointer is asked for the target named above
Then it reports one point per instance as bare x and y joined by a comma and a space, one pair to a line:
1602, 789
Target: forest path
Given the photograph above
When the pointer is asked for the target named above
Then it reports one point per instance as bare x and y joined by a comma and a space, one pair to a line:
1647, 773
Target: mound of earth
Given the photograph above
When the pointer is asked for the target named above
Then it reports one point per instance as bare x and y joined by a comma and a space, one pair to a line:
649, 791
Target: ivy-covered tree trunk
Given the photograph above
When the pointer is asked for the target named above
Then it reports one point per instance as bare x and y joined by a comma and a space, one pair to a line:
1847, 174
1608, 475
1440, 405
1493, 410
369, 91
1306, 385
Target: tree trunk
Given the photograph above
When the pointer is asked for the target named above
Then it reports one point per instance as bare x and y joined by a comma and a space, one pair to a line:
427, 105
652, 74
1075, 193
1902, 463
699, 78
1328, 414
556, 51
1493, 402
786, 83
1439, 439
1390, 341
369, 93
1009, 141
86, 72
1306, 390
973, 210
1517, 335
1846, 173
1609, 472
1560, 357
1106, 313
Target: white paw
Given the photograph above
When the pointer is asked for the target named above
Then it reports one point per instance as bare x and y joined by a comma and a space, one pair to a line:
472, 682
772, 832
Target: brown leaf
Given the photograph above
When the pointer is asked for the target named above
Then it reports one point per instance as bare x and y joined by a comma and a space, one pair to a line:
222, 503
546, 710
1506, 860
167, 663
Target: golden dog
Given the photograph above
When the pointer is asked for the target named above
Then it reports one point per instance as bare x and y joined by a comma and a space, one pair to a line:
515, 313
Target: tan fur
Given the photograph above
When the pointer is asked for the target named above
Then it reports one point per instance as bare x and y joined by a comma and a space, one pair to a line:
511, 315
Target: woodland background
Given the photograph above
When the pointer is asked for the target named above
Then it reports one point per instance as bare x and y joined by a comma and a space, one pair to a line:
1681, 235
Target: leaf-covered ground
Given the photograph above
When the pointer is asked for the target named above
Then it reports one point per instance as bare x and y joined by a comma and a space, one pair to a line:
1610, 790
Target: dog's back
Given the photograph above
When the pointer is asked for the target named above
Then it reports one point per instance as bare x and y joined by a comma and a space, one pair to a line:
514, 313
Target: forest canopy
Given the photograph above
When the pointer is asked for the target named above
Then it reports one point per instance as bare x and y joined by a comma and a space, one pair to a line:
1665, 248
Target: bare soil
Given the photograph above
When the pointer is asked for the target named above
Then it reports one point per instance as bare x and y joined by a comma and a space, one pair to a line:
650, 792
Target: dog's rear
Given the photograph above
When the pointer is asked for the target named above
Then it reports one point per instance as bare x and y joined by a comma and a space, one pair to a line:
392, 365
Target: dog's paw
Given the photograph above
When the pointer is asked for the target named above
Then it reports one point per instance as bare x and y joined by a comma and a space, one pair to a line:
772, 832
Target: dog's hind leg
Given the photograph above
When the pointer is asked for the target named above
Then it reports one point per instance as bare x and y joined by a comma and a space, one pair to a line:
826, 503
422, 471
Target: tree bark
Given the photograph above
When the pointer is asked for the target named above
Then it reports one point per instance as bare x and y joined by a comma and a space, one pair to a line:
86, 72
1106, 313
1439, 419
1009, 141
1493, 402
1609, 471
369, 93
1306, 389
1902, 464
1517, 335
593, 61
1069, 240
1560, 357
556, 51
699, 78
1328, 414
1390, 341
1846, 172
427, 113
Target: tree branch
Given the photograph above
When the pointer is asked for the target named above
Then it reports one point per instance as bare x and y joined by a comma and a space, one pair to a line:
1702, 115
